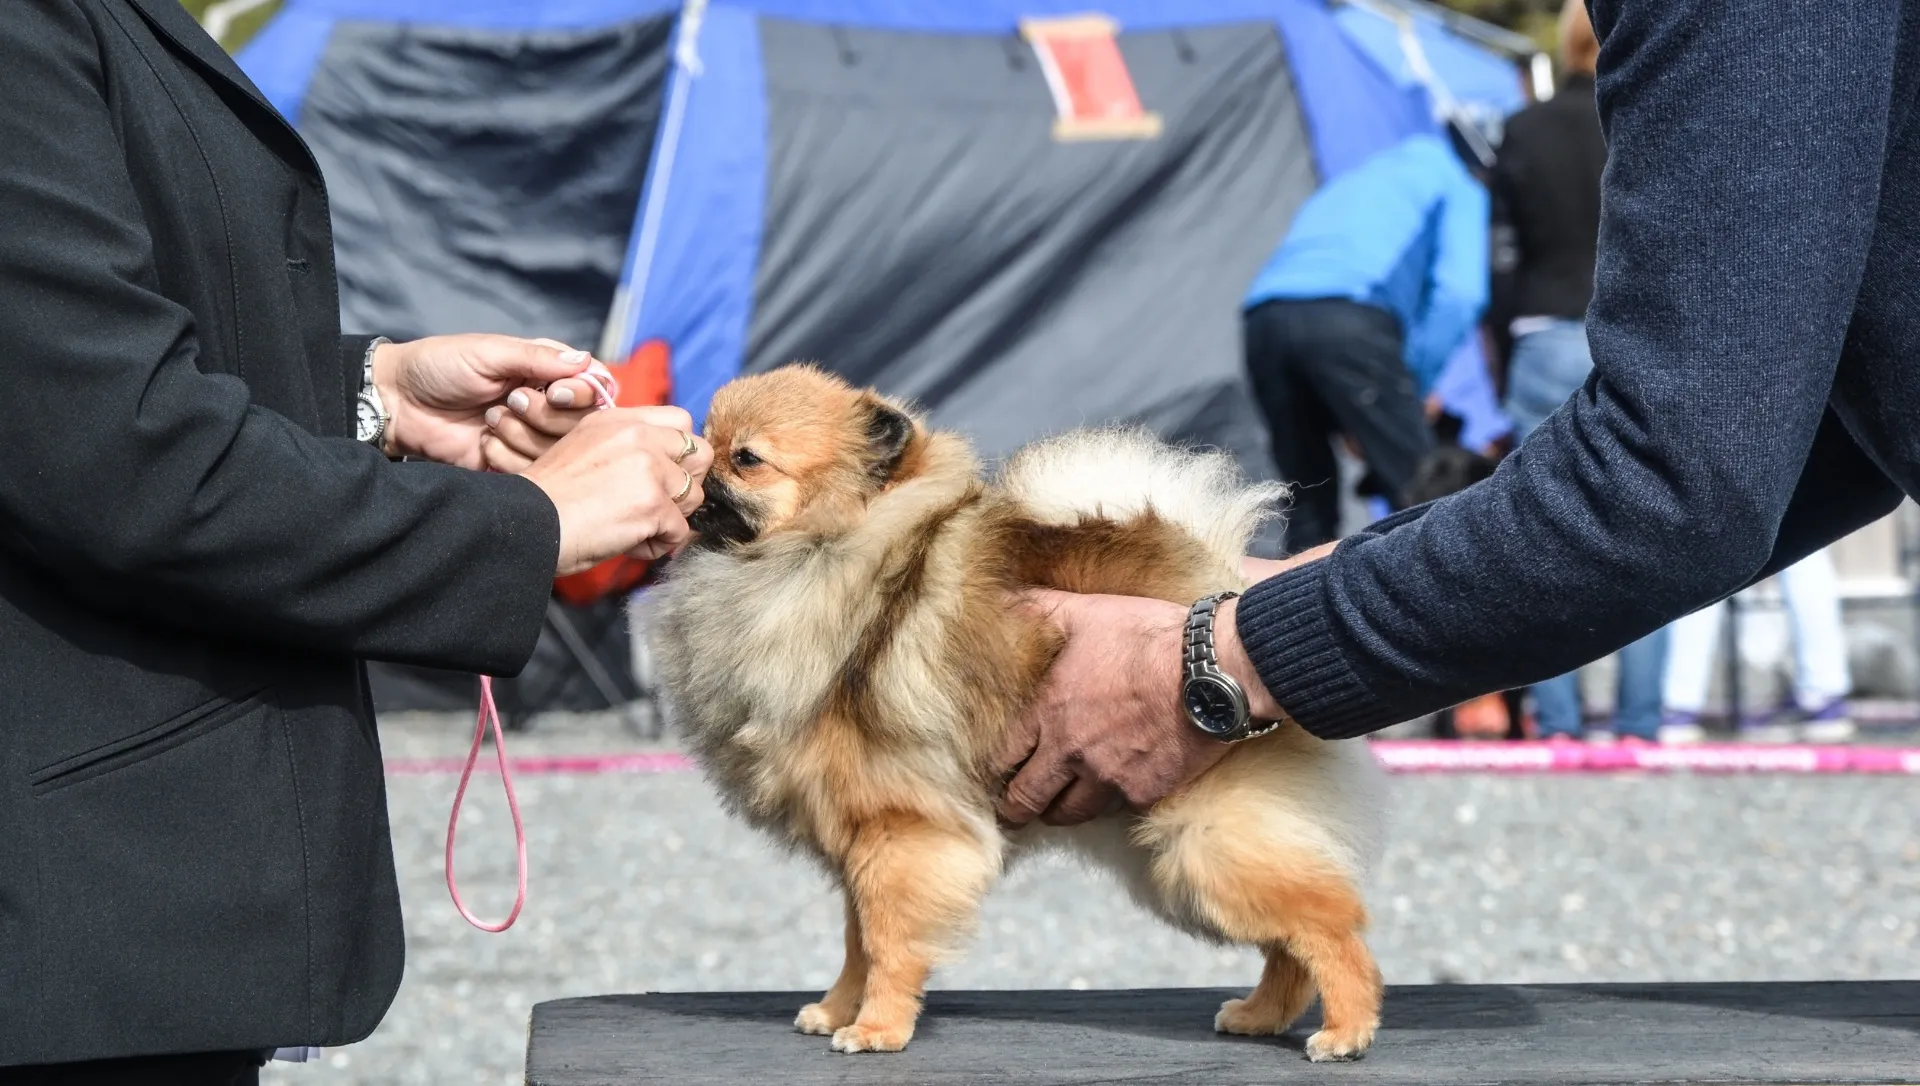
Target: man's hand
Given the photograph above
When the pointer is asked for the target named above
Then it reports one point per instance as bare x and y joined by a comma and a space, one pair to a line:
1107, 730
439, 389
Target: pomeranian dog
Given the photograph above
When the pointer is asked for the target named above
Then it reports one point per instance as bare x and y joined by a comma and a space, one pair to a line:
840, 648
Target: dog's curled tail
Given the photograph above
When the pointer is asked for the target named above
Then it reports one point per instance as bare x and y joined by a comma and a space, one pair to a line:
1121, 473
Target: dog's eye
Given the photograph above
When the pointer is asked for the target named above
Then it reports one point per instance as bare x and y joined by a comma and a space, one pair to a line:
745, 458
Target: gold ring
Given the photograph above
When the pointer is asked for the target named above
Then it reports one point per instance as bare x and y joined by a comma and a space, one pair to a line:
689, 449
687, 489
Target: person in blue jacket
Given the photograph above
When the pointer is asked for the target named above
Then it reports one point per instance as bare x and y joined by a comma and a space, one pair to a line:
1350, 323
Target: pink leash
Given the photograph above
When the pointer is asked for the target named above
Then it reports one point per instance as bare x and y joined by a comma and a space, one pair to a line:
607, 389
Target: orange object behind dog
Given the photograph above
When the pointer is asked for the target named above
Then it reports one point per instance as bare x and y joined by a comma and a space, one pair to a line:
645, 379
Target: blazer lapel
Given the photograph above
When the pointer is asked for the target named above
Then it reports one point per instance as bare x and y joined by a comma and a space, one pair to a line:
172, 22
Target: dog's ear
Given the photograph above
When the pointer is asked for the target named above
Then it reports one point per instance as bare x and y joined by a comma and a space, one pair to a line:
889, 434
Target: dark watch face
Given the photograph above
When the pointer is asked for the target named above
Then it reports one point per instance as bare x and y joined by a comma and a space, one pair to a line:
1212, 705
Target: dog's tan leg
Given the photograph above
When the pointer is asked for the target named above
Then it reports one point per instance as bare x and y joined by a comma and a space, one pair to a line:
1284, 991
1264, 897
1350, 991
916, 886
841, 1004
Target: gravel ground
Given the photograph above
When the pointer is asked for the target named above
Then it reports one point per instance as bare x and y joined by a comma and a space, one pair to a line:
641, 883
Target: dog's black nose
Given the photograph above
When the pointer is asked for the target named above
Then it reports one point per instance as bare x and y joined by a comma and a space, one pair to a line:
719, 519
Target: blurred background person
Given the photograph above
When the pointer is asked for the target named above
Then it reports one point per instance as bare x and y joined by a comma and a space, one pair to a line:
1546, 214
1816, 711
1348, 329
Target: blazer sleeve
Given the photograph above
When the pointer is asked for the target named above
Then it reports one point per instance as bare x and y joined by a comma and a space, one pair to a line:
146, 486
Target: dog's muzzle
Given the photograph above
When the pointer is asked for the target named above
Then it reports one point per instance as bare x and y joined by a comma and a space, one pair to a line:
720, 521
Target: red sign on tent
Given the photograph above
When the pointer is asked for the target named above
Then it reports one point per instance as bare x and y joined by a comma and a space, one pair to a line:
1093, 94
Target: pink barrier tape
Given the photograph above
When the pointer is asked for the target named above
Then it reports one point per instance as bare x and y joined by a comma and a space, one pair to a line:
1397, 755
551, 764
1413, 756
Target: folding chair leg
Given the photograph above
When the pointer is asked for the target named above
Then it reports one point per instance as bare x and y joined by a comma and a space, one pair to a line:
596, 671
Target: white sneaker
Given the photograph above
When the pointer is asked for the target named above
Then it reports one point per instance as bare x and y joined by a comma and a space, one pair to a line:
1828, 732
1682, 734
1774, 732
1830, 723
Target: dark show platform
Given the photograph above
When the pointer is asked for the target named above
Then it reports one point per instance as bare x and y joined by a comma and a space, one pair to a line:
1444, 1035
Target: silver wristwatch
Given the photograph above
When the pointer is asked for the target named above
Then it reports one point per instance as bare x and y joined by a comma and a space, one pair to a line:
372, 414
1214, 702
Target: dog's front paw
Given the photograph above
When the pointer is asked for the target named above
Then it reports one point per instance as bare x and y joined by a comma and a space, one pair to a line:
859, 1038
1329, 1045
1241, 1017
816, 1019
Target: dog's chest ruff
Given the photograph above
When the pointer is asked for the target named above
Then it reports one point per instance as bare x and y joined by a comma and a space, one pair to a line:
757, 644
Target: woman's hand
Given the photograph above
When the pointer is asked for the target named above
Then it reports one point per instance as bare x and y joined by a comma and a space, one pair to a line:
530, 423
439, 389
622, 485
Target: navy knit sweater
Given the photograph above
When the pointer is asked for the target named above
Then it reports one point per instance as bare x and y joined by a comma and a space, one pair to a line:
1756, 389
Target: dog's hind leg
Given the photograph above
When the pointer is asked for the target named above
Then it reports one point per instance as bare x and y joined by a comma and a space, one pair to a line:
1284, 991
841, 1005
916, 887
1350, 989
1271, 899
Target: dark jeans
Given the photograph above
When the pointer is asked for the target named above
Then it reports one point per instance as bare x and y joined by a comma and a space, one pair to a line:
1332, 366
195, 1069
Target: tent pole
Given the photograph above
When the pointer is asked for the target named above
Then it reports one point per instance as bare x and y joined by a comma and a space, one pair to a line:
623, 322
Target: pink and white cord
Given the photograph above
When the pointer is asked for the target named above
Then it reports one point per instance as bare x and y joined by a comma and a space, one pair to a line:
606, 389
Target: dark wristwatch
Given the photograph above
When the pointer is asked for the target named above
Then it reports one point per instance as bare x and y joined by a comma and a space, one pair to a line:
1214, 702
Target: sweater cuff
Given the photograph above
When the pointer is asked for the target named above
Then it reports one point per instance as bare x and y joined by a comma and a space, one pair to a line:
1285, 626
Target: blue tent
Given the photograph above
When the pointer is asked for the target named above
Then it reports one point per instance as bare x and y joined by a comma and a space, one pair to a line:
1417, 50
870, 183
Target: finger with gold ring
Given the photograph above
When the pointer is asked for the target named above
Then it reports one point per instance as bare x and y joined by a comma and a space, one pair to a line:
687, 449
687, 489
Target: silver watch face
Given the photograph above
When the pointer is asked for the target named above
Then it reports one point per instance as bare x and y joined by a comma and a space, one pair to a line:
369, 423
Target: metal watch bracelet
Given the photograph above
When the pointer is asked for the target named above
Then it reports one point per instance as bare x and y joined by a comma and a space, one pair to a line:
370, 395
1200, 660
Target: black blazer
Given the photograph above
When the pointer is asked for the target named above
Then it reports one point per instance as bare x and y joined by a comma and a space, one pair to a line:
194, 553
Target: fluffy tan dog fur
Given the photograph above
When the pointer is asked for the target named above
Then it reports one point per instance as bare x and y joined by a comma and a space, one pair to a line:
840, 650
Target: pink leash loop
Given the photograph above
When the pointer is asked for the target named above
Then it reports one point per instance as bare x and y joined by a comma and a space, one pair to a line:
488, 715
607, 388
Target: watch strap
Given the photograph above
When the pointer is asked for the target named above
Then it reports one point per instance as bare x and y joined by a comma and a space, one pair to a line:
1199, 656
370, 395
